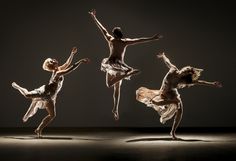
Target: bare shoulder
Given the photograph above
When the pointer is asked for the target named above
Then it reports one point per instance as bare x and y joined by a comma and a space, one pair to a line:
126, 39
118, 41
173, 70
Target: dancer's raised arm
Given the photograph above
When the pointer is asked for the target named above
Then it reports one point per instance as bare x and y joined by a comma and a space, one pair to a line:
166, 61
72, 67
100, 26
129, 41
69, 60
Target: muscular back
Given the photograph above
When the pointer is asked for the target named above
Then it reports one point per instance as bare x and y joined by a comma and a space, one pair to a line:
117, 48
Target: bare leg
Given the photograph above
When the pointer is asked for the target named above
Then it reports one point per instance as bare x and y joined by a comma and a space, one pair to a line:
116, 97
31, 111
22, 90
111, 80
50, 107
25, 92
177, 119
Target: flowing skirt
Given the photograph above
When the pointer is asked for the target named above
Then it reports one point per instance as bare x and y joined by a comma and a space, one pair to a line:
115, 67
37, 103
148, 96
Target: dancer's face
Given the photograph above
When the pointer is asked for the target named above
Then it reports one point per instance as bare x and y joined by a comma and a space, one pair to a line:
52, 64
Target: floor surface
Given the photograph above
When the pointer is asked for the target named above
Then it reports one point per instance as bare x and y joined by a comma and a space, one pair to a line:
126, 144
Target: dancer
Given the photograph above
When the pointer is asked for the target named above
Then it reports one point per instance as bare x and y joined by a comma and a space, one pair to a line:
167, 101
45, 96
114, 66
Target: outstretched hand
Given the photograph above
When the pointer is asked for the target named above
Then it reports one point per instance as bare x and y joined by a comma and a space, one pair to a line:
157, 36
74, 50
85, 60
92, 12
217, 84
160, 55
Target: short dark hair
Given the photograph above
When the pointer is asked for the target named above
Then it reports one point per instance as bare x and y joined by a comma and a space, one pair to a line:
117, 32
188, 79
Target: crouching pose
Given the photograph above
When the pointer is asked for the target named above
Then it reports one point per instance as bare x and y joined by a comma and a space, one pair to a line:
45, 96
166, 101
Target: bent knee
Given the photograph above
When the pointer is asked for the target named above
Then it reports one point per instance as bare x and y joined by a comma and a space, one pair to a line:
52, 116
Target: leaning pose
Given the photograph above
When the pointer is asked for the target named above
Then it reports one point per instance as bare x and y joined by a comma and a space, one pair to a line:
166, 101
45, 96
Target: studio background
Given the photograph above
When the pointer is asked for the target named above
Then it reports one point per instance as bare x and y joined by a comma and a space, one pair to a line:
197, 33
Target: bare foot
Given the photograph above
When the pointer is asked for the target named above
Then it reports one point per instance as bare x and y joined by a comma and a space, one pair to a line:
24, 120
38, 133
174, 136
162, 120
116, 115
14, 85
133, 72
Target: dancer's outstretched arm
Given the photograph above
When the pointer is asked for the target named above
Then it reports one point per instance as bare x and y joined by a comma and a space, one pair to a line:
166, 61
206, 83
129, 41
100, 26
72, 67
69, 60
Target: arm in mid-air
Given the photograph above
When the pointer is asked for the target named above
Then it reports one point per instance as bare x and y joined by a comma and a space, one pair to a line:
167, 61
100, 26
206, 83
72, 67
142, 39
69, 60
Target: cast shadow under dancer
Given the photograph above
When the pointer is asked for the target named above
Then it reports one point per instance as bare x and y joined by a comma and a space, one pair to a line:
166, 101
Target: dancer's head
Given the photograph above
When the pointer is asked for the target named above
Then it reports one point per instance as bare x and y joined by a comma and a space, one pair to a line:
189, 74
50, 64
117, 32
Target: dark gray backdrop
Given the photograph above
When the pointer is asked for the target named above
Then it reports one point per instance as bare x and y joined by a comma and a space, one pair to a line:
197, 33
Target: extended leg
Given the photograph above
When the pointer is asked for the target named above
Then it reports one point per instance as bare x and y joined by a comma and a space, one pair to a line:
116, 97
25, 92
177, 119
22, 90
50, 107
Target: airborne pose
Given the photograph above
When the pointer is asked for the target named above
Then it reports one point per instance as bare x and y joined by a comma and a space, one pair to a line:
114, 66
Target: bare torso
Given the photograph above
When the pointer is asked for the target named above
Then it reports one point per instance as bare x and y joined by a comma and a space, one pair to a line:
170, 83
117, 49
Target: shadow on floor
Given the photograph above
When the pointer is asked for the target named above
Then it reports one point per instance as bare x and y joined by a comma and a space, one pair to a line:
166, 139
35, 137
54, 138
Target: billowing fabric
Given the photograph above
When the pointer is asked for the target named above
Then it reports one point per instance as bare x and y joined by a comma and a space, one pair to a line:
148, 96
44, 93
115, 67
